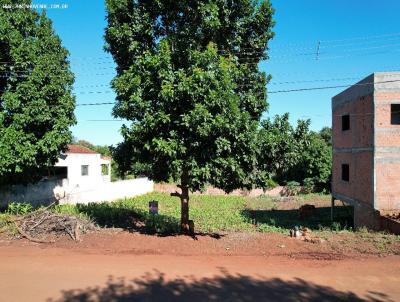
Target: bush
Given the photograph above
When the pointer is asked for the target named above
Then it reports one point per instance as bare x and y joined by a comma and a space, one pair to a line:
292, 188
308, 186
15, 208
271, 184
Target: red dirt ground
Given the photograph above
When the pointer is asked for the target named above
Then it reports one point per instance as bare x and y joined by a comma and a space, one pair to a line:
119, 266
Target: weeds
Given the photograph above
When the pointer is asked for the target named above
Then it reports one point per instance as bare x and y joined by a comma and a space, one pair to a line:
15, 208
213, 214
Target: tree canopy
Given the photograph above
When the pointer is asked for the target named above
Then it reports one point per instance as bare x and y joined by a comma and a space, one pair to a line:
297, 154
36, 103
188, 79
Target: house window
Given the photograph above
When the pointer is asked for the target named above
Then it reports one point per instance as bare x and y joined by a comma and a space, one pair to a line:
345, 172
104, 169
395, 114
345, 122
61, 172
84, 170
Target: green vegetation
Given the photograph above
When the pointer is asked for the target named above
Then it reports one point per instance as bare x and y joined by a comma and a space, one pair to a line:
36, 101
215, 215
15, 208
184, 81
295, 155
211, 213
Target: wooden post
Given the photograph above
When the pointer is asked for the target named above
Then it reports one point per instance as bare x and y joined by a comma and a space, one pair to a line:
332, 207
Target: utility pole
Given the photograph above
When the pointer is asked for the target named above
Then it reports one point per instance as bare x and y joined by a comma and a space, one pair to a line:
317, 54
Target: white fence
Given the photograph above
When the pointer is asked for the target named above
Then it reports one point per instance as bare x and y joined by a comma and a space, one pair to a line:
108, 191
47, 191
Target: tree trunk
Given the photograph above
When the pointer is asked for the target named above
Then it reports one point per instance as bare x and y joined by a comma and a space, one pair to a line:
185, 210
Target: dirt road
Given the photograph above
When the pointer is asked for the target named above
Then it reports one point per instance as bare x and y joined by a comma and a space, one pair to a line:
34, 273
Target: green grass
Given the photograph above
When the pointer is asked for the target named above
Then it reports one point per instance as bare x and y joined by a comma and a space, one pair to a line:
6, 224
271, 215
211, 214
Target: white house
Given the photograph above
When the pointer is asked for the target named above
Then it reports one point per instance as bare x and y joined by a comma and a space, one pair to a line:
83, 166
81, 175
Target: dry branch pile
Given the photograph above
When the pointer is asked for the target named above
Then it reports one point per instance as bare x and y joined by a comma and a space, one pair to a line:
43, 226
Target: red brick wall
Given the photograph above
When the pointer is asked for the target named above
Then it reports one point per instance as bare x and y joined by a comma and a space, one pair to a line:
371, 147
387, 161
360, 185
388, 186
347, 145
360, 134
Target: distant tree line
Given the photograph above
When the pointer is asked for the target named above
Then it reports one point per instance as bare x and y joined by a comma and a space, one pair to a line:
286, 154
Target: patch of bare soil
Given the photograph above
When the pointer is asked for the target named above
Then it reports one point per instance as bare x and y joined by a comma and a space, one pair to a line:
120, 266
117, 241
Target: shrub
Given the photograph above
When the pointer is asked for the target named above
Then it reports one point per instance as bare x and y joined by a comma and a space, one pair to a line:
292, 188
271, 184
15, 208
308, 186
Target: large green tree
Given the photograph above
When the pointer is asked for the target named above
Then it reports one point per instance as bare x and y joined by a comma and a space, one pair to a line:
281, 144
188, 79
291, 153
36, 103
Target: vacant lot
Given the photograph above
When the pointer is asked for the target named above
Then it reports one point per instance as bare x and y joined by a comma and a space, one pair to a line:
214, 214
241, 252
227, 217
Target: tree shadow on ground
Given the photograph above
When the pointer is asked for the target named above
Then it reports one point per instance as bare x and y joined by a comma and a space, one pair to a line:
320, 218
233, 288
134, 220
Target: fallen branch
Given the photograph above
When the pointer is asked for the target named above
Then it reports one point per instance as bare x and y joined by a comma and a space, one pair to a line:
43, 226
23, 234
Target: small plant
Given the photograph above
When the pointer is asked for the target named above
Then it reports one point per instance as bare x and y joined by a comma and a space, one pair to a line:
292, 188
271, 184
308, 186
7, 225
336, 226
15, 208
267, 228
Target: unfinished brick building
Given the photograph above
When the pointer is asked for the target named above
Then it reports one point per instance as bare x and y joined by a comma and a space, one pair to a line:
366, 147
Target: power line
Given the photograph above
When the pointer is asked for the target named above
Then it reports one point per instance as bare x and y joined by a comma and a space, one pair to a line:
96, 104
282, 91
105, 120
363, 38
104, 60
332, 87
358, 43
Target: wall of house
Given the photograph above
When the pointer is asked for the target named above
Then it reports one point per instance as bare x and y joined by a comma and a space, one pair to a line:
371, 147
355, 146
387, 143
74, 162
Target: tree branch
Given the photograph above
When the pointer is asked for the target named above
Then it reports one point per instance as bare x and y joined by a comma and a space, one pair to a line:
176, 194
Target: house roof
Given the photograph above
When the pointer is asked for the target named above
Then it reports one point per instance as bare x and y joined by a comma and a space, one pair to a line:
106, 157
78, 149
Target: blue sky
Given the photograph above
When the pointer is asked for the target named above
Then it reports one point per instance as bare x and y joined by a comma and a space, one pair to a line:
357, 37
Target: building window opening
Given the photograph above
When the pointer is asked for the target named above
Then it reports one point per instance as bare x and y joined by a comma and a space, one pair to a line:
61, 172
395, 114
84, 170
345, 172
104, 169
345, 122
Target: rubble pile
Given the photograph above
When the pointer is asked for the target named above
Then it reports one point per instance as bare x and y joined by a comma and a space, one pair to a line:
44, 226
